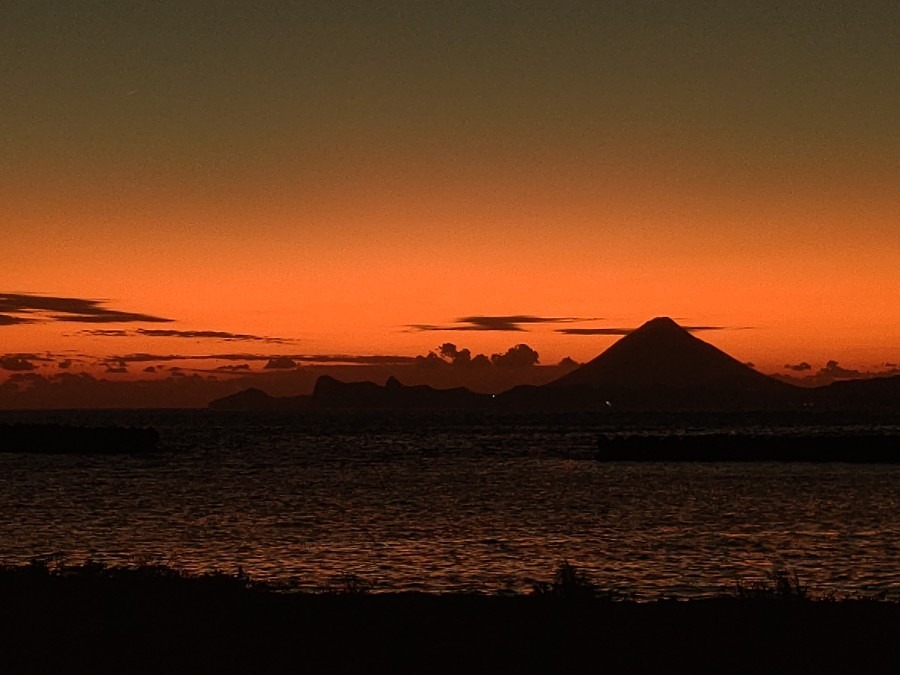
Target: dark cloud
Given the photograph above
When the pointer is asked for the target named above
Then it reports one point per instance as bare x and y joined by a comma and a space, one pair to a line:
625, 331
15, 362
240, 367
107, 317
106, 332
144, 358
150, 369
6, 320
510, 323
116, 366
520, 356
188, 334
831, 372
449, 352
24, 361
430, 360
212, 334
496, 323
595, 331
835, 372
280, 363
372, 360
78, 310
422, 327
30, 356
481, 360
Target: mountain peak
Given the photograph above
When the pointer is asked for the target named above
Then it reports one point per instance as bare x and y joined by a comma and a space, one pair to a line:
660, 326
660, 322
663, 355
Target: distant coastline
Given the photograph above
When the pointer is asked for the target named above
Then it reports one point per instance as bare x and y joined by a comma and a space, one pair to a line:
658, 367
877, 395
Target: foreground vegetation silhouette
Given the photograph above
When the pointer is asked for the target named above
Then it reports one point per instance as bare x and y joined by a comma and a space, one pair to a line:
151, 618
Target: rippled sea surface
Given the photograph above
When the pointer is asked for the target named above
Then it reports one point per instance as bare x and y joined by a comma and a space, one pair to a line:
448, 503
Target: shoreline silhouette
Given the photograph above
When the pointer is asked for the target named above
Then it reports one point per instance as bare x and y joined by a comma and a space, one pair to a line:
154, 619
659, 367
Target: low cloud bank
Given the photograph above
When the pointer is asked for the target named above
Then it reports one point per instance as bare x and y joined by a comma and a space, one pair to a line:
832, 371
168, 381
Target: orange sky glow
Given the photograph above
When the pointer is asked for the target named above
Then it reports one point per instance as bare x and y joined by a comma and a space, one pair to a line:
336, 202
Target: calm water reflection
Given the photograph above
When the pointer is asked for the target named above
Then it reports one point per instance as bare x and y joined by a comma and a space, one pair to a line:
447, 503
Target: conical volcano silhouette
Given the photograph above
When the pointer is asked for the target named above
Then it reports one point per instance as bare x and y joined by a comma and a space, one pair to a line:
663, 355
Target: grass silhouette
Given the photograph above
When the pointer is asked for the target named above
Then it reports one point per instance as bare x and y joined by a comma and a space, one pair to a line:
93, 617
573, 584
779, 584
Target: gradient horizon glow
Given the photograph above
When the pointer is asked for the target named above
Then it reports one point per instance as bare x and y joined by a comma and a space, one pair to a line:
334, 173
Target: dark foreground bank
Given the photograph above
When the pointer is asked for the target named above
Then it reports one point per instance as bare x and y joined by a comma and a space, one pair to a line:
154, 620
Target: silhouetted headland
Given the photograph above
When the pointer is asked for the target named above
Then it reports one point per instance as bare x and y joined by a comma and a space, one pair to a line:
660, 367
63, 439
257, 399
330, 393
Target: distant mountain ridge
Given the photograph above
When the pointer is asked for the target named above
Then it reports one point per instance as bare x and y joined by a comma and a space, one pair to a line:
657, 367
331, 393
257, 399
873, 394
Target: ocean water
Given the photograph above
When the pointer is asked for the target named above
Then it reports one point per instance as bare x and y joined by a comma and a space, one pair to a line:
447, 502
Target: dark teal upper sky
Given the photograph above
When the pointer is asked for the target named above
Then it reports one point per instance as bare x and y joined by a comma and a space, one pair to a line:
160, 86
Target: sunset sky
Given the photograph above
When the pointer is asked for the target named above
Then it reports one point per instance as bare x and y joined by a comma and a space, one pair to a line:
313, 179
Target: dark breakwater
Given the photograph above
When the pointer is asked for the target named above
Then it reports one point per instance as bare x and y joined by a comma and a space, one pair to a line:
724, 447
64, 439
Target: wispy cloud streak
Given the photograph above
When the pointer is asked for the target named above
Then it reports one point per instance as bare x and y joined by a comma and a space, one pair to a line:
376, 359
626, 331
508, 323
225, 336
28, 307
